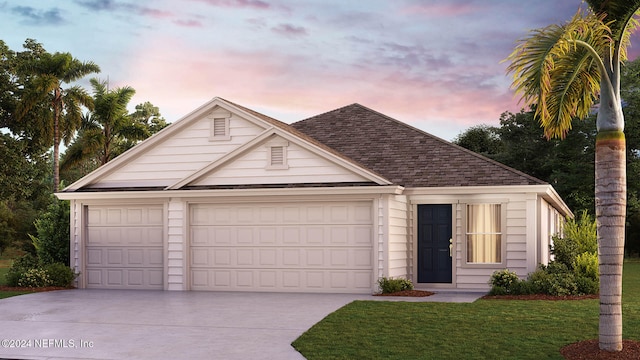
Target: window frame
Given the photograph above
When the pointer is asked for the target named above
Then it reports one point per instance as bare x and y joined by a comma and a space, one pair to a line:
503, 236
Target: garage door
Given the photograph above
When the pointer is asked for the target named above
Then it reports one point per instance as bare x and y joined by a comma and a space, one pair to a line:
124, 247
285, 247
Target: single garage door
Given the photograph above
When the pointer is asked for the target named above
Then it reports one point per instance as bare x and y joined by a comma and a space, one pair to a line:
282, 247
124, 247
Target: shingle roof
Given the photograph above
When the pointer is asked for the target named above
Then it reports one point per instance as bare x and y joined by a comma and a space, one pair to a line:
405, 155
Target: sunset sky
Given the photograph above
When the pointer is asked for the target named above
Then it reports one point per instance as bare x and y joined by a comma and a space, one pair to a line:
435, 64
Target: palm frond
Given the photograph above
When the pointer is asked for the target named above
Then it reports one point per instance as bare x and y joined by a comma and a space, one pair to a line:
559, 68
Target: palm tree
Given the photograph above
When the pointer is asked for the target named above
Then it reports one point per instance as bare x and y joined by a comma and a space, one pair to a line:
108, 131
49, 73
562, 69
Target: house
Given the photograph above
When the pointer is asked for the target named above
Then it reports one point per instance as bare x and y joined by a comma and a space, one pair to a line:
228, 199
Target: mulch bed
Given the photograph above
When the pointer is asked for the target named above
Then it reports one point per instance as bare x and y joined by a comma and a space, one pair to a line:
589, 349
414, 293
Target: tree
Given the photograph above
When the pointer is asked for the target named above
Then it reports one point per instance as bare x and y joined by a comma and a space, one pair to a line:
562, 69
109, 130
482, 139
48, 73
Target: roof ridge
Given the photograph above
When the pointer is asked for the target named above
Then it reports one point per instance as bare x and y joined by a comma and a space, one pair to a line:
429, 135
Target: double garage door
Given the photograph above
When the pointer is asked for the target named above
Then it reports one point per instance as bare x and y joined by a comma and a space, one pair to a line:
279, 247
282, 247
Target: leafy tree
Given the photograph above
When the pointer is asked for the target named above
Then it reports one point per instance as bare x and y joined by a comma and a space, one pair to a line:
23, 190
57, 110
483, 139
109, 130
562, 69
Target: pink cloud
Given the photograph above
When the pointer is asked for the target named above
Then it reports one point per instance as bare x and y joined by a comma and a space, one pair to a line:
440, 10
180, 80
255, 4
289, 30
189, 23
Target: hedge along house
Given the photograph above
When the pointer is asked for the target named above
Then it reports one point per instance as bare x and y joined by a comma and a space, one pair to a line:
228, 199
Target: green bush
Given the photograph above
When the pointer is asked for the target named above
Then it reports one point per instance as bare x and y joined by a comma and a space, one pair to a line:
504, 282
587, 285
19, 267
52, 242
33, 278
579, 237
60, 274
586, 264
389, 285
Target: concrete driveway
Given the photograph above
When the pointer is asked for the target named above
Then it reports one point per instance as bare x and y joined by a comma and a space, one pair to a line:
126, 324
113, 324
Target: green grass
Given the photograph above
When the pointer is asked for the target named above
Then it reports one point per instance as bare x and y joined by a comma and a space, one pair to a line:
485, 329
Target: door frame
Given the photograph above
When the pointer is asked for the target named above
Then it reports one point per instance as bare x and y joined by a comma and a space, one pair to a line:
414, 246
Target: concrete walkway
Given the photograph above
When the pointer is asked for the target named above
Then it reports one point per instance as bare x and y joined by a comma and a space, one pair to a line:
114, 324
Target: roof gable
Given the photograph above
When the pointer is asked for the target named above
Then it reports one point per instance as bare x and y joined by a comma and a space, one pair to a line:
405, 155
188, 152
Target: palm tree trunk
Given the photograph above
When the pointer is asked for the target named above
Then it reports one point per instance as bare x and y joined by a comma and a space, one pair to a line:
611, 200
57, 105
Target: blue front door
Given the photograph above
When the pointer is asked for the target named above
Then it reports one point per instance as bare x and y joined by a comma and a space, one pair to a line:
434, 243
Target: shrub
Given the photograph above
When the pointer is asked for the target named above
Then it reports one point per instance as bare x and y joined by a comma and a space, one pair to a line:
586, 264
389, 285
60, 274
579, 237
33, 278
52, 242
504, 282
587, 285
19, 267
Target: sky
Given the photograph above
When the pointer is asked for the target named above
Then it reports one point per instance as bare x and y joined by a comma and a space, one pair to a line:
435, 64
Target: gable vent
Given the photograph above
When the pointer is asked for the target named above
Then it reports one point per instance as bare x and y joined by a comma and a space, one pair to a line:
277, 155
219, 127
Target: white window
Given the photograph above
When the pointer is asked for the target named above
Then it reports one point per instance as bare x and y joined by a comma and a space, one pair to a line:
277, 155
484, 240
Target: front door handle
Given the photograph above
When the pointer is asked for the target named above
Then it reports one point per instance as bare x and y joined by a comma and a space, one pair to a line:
450, 247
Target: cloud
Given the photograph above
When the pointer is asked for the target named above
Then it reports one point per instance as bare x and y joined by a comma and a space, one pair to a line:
254, 4
114, 6
39, 17
289, 30
189, 23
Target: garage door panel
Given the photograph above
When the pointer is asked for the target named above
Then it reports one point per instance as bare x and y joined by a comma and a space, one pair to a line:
124, 247
282, 280
282, 258
317, 246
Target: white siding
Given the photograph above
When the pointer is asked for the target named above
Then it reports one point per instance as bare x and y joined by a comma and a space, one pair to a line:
303, 167
176, 263
181, 155
400, 251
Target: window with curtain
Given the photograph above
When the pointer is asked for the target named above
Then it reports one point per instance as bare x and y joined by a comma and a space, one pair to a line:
484, 233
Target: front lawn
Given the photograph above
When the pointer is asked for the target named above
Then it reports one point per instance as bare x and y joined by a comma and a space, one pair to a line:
485, 329
4, 268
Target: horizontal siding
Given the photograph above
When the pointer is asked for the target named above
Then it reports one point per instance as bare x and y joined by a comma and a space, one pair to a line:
181, 155
303, 167
399, 246
516, 247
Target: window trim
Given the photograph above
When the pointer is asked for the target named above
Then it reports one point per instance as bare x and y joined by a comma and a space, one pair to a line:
503, 236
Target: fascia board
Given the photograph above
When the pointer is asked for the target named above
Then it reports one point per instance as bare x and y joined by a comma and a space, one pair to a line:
283, 192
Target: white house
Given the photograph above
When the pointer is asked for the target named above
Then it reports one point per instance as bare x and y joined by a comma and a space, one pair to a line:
228, 199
